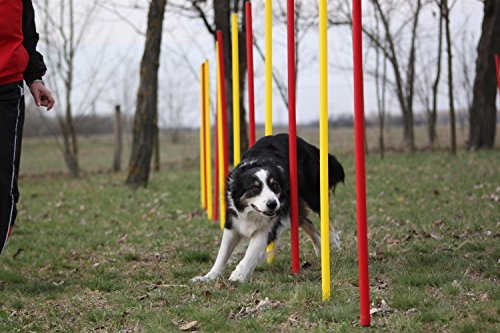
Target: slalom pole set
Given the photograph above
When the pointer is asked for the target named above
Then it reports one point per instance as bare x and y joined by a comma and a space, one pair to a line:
212, 192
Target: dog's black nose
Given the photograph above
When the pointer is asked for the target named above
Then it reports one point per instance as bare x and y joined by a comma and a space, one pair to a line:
271, 204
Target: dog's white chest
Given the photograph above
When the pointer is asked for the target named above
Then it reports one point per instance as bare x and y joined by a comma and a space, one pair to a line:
250, 222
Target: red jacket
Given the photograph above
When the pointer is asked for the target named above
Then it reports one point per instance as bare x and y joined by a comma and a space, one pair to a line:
18, 38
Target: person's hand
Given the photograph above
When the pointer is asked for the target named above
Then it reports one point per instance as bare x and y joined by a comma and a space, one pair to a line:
42, 95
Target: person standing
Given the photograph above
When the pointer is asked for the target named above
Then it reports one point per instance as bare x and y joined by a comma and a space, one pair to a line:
19, 60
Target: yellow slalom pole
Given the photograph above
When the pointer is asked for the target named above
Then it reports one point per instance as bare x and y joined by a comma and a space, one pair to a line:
202, 139
236, 90
269, 91
270, 253
323, 133
269, 68
222, 198
208, 143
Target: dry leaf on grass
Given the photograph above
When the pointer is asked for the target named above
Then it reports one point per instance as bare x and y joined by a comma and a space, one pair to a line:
381, 309
390, 241
294, 319
381, 284
438, 223
190, 326
436, 237
247, 311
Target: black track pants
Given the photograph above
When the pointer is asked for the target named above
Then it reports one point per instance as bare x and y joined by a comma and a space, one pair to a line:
11, 132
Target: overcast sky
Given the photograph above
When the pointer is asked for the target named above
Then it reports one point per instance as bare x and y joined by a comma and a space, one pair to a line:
186, 44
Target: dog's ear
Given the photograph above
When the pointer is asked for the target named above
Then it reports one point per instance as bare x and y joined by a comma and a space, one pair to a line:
230, 179
233, 179
282, 172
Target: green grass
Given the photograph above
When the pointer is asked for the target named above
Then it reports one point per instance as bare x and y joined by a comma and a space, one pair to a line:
91, 254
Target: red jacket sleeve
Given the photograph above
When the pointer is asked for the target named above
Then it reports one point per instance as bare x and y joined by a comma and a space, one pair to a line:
36, 66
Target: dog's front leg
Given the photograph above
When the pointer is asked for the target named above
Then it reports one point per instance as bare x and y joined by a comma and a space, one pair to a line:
230, 238
255, 252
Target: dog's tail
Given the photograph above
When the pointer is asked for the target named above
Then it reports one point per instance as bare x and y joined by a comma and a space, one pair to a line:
335, 172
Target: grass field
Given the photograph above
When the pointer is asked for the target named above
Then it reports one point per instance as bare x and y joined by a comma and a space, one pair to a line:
92, 255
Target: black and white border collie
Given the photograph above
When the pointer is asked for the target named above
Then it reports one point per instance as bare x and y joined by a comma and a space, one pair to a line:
258, 206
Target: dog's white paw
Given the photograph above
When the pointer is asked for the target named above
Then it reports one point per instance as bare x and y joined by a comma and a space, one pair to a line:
335, 240
204, 278
238, 276
317, 250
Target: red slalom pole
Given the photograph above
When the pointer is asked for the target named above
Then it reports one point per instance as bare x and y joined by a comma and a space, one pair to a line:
223, 100
292, 137
251, 98
364, 288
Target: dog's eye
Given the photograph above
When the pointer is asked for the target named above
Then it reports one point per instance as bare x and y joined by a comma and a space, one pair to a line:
275, 187
255, 188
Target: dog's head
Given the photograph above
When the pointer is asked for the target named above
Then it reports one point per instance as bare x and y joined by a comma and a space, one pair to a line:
261, 189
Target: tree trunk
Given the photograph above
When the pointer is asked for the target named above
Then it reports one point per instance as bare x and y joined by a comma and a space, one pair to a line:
68, 129
156, 147
482, 117
432, 116
70, 158
146, 113
410, 79
70, 142
404, 91
221, 20
117, 160
380, 93
446, 12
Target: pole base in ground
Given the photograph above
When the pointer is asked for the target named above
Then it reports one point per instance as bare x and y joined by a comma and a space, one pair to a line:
270, 253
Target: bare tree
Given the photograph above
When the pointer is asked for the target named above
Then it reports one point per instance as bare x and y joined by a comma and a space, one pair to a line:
482, 117
394, 50
380, 89
146, 116
465, 54
174, 103
62, 37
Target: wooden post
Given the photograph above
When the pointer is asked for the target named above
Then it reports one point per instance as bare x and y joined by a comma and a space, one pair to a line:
117, 161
